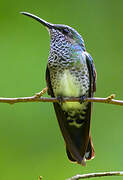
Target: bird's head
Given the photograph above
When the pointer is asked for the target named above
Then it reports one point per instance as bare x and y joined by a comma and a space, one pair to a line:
60, 33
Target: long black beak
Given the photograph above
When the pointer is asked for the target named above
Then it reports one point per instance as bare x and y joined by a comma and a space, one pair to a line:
45, 23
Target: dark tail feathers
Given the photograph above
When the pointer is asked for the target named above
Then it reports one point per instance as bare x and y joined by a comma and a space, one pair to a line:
88, 155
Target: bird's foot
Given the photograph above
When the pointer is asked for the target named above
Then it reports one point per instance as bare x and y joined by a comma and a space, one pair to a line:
60, 99
82, 99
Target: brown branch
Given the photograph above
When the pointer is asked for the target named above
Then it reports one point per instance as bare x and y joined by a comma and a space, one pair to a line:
37, 98
91, 175
43, 91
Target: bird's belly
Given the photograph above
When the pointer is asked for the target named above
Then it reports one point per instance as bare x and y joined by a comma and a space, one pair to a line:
68, 85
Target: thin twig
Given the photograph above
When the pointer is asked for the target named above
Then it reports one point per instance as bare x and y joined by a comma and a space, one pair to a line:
91, 175
108, 100
42, 92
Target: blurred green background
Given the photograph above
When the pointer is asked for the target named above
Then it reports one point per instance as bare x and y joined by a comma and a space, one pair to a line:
30, 140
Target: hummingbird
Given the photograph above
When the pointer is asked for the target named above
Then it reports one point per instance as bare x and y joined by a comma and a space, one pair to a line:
71, 72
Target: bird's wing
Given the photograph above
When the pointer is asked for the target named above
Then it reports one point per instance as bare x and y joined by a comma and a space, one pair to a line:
92, 70
50, 90
92, 74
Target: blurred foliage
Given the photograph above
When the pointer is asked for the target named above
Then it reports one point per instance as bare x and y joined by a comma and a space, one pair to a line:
30, 141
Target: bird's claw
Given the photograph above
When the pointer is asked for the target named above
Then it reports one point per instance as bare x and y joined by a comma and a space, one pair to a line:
60, 99
82, 99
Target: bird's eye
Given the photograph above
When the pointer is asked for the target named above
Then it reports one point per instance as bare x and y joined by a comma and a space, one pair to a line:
65, 31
